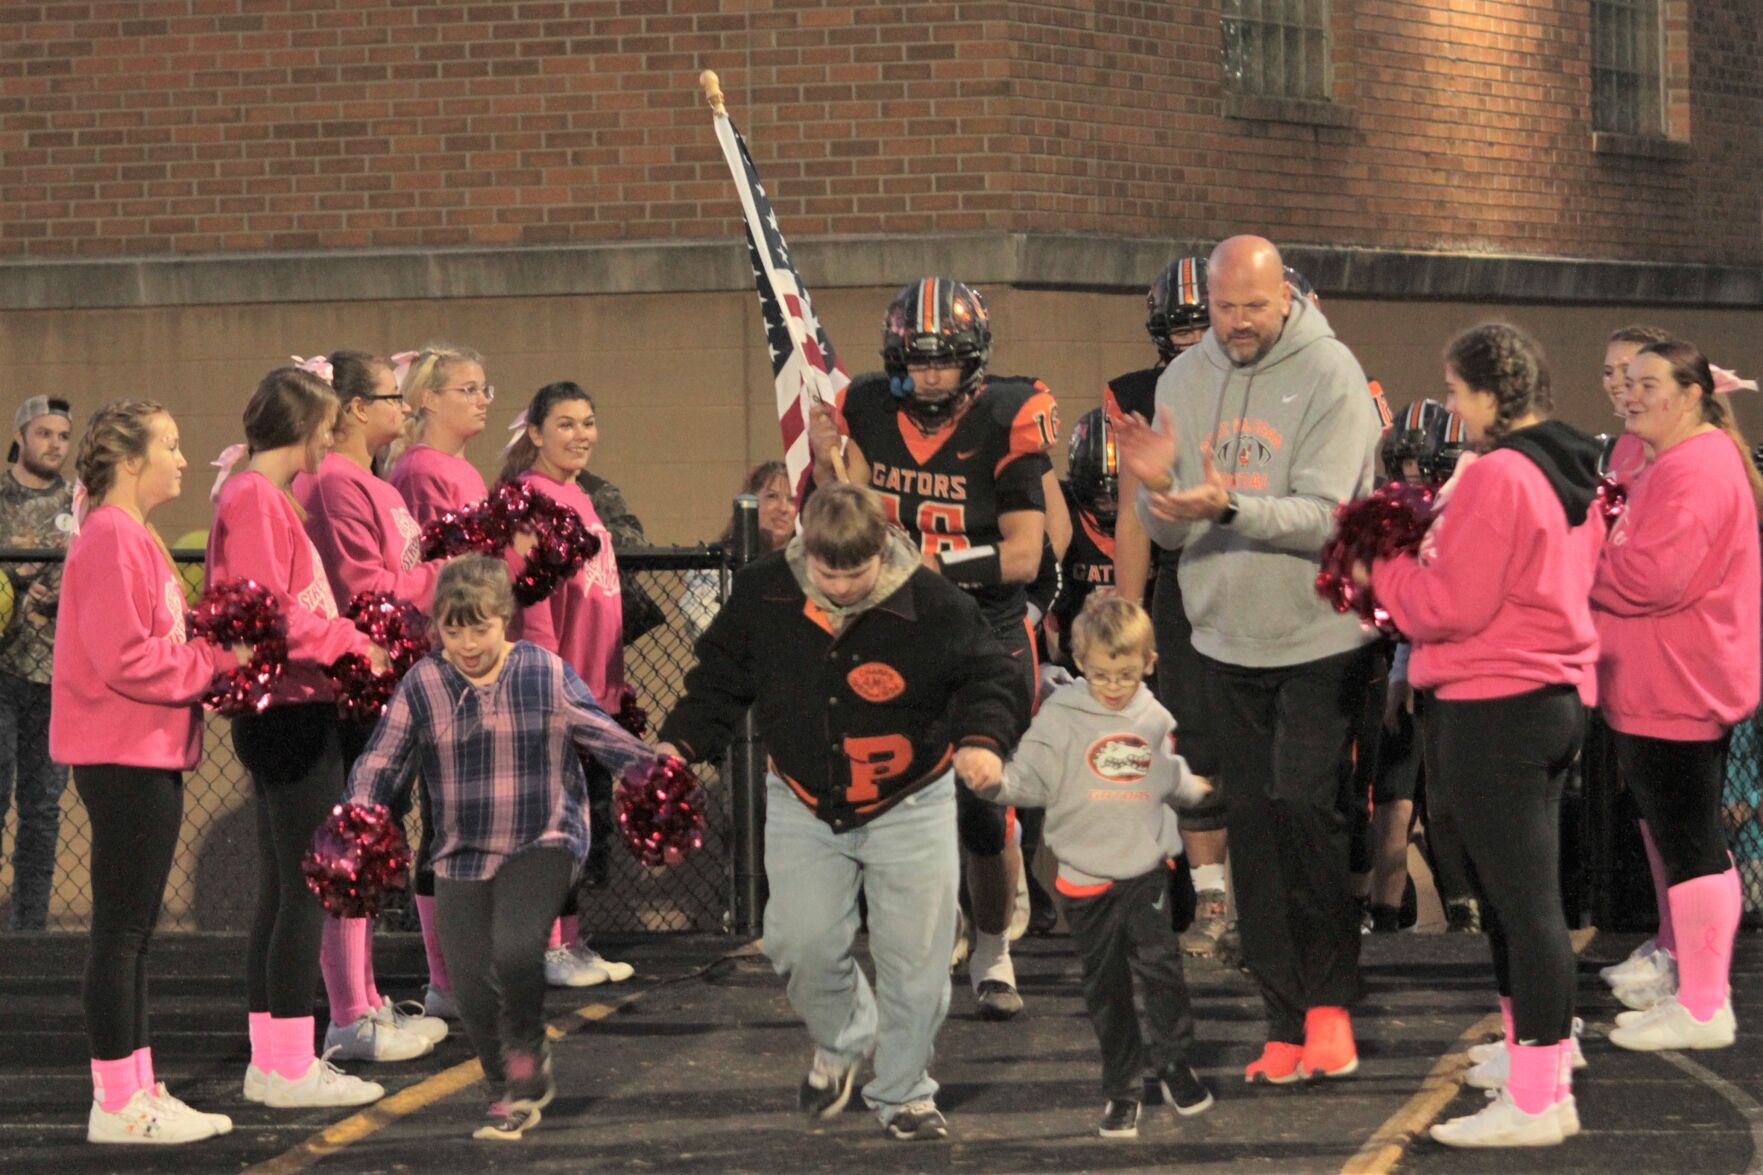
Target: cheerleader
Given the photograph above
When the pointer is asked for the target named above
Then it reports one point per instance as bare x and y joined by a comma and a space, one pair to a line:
292, 749
368, 542
1677, 603
582, 620
449, 399
124, 716
1504, 652
507, 842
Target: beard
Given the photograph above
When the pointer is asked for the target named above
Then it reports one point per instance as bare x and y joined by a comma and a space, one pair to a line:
38, 467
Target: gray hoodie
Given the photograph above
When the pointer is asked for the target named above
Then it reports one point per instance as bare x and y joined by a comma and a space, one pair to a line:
1295, 435
1107, 779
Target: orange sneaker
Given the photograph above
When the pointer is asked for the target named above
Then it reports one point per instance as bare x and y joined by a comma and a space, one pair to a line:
1328, 1043
1278, 1064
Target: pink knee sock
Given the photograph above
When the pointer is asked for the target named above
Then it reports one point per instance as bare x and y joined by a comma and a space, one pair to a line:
259, 1023
565, 932
431, 943
1667, 936
368, 983
1707, 910
114, 1082
1534, 1075
1564, 1070
1506, 1019
339, 956
144, 1068
290, 1045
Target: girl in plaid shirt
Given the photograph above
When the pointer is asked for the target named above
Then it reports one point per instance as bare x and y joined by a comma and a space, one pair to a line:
494, 727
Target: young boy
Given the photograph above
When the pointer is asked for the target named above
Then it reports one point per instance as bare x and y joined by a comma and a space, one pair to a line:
1099, 758
508, 842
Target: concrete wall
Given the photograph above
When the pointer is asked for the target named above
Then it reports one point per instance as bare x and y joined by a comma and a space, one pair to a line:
684, 388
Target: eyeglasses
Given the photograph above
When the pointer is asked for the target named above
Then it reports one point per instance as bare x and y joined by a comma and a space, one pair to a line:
488, 391
1121, 679
377, 399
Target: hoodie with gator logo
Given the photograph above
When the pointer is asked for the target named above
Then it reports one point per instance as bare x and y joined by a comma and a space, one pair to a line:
1294, 435
1107, 779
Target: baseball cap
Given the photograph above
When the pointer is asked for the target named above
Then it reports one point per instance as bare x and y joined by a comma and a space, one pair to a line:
40, 406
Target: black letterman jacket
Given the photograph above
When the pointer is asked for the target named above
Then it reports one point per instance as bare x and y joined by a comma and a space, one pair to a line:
858, 721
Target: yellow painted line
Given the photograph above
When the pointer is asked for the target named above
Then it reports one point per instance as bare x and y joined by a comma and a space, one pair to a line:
443, 1085
1385, 1148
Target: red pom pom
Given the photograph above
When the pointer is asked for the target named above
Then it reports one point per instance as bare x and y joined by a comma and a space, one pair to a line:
242, 612
630, 715
1390, 522
661, 812
396, 626
562, 542
1612, 499
358, 855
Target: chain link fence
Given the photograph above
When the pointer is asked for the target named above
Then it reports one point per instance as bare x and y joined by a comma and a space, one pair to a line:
44, 878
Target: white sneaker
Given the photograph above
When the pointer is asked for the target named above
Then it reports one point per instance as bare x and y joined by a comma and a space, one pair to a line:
1669, 1025
323, 1084
147, 1121
221, 1123
256, 1084
1567, 1113
374, 1037
1501, 1123
1644, 994
438, 1004
1639, 965
563, 969
615, 971
411, 1016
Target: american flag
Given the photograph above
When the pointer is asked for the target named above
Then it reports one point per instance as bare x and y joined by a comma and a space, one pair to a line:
803, 363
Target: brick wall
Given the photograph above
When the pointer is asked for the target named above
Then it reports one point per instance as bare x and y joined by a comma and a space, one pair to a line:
184, 126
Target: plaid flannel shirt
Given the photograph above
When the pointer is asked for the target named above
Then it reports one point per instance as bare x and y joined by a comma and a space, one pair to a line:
500, 760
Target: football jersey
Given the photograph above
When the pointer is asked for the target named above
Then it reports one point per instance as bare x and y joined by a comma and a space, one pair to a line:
947, 489
1089, 561
1134, 392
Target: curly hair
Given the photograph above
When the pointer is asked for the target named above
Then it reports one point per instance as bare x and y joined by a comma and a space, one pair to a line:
1507, 364
120, 431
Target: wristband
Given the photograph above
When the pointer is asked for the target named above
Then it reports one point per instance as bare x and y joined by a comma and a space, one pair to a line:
972, 567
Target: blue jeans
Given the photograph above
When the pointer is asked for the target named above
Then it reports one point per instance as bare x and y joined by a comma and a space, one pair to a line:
24, 755
906, 864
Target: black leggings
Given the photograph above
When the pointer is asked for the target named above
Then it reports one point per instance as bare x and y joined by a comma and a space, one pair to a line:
1677, 786
135, 814
295, 758
1501, 765
493, 934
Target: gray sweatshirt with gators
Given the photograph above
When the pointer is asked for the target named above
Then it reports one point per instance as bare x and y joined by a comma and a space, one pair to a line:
1107, 779
1295, 435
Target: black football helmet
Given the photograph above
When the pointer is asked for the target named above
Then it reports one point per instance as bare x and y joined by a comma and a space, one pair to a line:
1093, 467
1301, 287
1453, 442
932, 321
1177, 301
1429, 435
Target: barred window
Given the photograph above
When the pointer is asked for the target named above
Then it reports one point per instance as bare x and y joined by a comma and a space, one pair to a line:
1628, 92
1276, 48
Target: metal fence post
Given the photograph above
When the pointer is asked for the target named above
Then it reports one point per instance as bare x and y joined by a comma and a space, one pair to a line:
747, 758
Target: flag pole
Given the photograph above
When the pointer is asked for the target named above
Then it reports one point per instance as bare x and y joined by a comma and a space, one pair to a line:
712, 87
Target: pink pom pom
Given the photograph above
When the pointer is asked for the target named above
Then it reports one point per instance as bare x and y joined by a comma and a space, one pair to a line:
396, 626
242, 612
562, 542
1390, 522
1612, 498
358, 856
661, 812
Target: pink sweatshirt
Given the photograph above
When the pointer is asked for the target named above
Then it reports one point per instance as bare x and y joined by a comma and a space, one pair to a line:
583, 620
432, 483
364, 534
1678, 595
1495, 604
257, 535
126, 681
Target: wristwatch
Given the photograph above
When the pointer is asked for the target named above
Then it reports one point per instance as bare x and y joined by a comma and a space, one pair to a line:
1230, 509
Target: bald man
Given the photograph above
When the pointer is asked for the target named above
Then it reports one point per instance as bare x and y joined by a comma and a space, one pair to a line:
1263, 429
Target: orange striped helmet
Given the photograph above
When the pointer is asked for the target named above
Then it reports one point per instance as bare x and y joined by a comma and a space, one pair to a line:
1177, 301
932, 321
